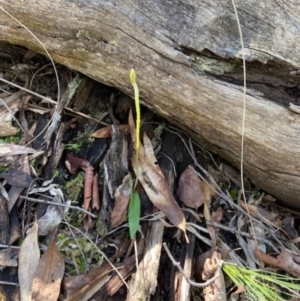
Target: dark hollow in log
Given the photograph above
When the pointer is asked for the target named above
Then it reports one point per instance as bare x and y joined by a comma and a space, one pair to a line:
187, 57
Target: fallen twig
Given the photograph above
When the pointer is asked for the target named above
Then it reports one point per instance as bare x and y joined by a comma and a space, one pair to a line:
191, 282
56, 204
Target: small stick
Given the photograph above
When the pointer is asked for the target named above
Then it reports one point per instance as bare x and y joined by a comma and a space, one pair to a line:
191, 282
57, 204
9, 283
233, 230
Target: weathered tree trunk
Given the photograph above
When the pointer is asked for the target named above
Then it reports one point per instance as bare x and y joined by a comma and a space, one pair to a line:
187, 56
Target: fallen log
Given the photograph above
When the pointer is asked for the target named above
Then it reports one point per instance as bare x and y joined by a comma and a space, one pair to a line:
187, 56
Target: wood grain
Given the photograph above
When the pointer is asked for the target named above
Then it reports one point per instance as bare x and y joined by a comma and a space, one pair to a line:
188, 61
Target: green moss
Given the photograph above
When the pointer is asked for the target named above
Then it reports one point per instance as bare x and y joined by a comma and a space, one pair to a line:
75, 248
10, 139
73, 188
83, 137
158, 132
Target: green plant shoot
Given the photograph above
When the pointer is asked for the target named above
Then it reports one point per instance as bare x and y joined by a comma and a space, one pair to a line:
138, 121
134, 209
134, 213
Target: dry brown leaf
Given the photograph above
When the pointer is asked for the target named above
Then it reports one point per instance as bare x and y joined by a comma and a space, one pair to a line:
217, 215
105, 132
190, 191
122, 198
49, 274
17, 178
287, 260
153, 181
28, 261
14, 149
199, 264
83, 287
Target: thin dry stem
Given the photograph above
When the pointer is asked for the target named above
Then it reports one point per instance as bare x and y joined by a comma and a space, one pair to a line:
191, 282
57, 204
244, 109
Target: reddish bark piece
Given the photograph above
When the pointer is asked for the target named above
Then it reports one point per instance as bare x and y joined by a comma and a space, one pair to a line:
87, 196
153, 181
286, 260
122, 198
95, 194
49, 274
189, 190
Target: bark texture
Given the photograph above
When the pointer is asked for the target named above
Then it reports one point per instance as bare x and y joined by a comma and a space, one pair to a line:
187, 56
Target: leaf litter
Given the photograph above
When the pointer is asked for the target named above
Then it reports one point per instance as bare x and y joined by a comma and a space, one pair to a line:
85, 259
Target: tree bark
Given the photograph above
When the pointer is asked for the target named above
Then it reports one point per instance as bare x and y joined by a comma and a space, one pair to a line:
187, 56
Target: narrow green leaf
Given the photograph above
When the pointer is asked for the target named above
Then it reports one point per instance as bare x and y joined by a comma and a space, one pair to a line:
134, 212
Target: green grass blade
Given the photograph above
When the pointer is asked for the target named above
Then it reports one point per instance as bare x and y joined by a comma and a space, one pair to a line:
262, 285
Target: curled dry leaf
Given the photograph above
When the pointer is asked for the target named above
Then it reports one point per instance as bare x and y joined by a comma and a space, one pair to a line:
28, 261
153, 181
105, 132
199, 263
287, 260
49, 274
189, 190
217, 290
122, 198
73, 163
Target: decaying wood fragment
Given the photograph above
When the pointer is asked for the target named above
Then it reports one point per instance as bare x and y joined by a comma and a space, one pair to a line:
189, 69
